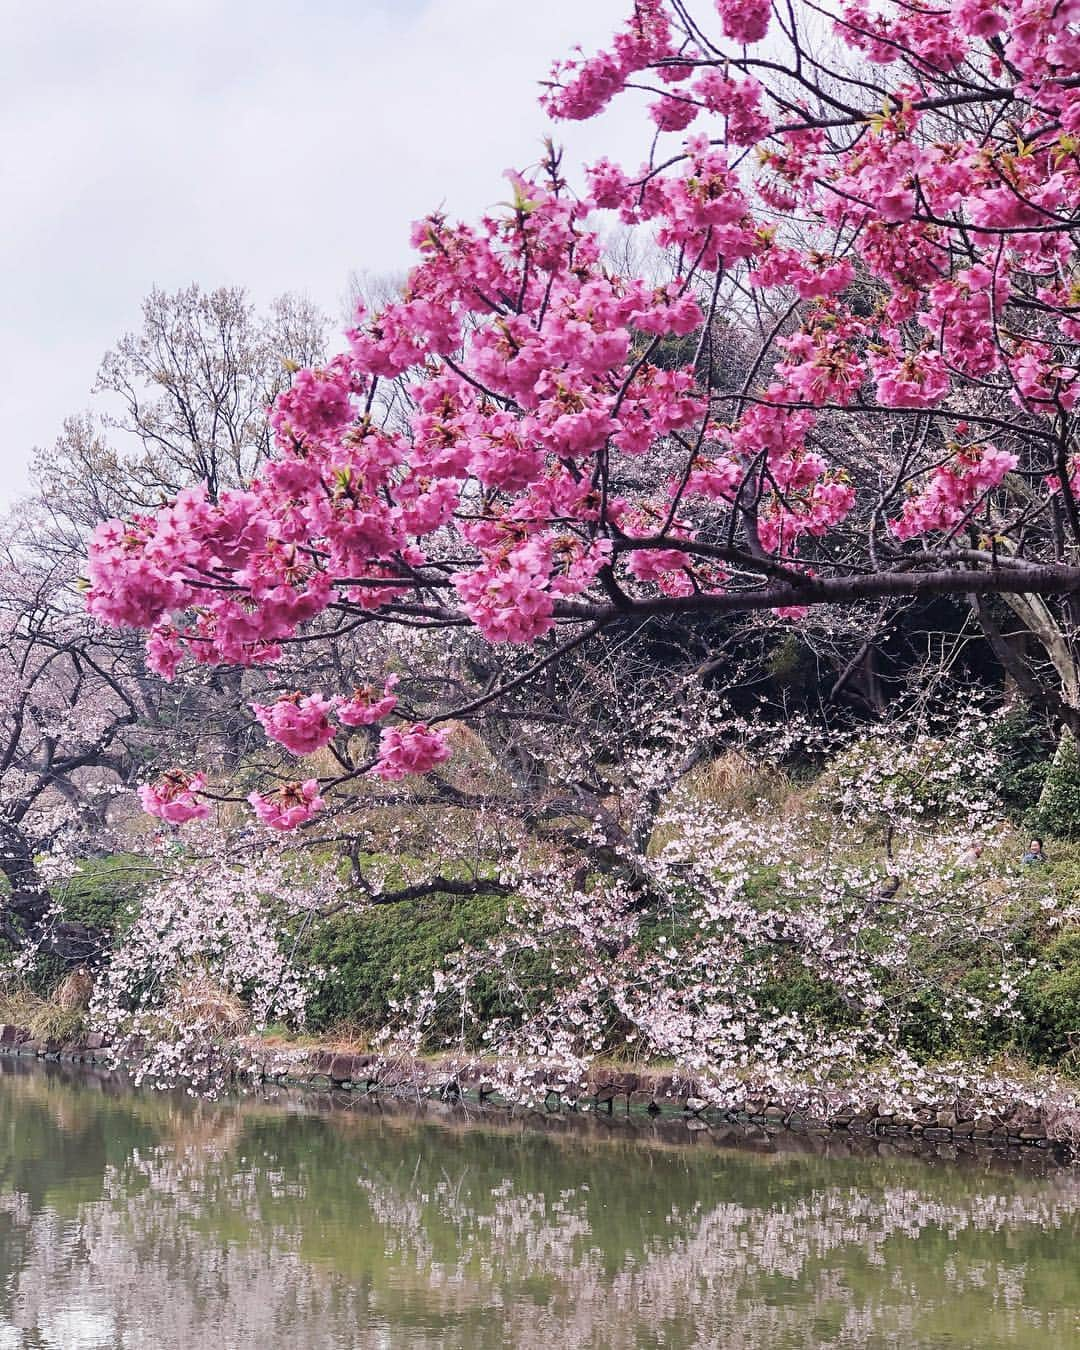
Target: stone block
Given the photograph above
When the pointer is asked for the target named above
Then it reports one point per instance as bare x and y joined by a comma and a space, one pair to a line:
341, 1069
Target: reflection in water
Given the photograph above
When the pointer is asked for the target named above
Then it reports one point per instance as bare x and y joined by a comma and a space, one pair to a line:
137, 1221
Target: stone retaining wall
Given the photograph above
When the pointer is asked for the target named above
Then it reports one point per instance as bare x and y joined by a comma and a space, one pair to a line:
1017, 1126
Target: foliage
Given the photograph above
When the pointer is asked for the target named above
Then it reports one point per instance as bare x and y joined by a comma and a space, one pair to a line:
1024, 759
762, 945
104, 891
1050, 1002
1057, 811
382, 956
788, 663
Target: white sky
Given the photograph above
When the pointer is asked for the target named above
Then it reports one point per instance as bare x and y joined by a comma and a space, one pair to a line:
276, 145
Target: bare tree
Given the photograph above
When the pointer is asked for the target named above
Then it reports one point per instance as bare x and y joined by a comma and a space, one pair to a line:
186, 397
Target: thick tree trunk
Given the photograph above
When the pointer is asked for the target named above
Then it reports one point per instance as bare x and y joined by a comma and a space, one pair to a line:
1036, 617
1060, 695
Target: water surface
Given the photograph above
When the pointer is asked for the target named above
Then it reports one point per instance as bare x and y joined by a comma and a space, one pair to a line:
147, 1222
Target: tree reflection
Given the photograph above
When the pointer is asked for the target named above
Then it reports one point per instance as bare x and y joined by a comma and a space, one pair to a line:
140, 1221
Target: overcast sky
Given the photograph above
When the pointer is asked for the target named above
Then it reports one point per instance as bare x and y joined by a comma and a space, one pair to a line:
274, 145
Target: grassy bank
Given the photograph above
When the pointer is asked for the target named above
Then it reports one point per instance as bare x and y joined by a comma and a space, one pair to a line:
370, 961
974, 959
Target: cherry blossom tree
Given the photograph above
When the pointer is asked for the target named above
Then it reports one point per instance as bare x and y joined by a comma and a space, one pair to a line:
690, 952
894, 215
69, 709
210, 955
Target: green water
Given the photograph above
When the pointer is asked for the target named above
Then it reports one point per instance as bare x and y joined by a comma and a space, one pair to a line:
146, 1222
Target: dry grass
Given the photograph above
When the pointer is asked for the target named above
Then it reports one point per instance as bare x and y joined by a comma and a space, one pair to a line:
737, 784
73, 992
200, 998
320, 764
737, 787
347, 1038
231, 816
724, 777
44, 1019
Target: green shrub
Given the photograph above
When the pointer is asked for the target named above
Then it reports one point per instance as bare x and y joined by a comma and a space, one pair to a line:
1057, 811
800, 992
1024, 754
1050, 1000
105, 892
387, 954
923, 1028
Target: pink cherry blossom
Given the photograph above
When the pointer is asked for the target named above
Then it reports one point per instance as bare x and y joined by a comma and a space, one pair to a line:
164, 651
413, 749
952, 489
738, 101
173, 798
290, 806
914, 381
364, 706
534, 436
745, 20
299, 722
673, 114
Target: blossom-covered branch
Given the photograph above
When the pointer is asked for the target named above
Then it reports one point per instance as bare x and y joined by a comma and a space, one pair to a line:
876, 257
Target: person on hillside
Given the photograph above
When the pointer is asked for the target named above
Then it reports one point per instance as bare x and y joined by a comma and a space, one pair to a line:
1034, 852
970, 855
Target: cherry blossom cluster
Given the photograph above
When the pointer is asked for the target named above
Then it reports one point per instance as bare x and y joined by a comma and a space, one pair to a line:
211, 940
301, 723
953, 489
415, 749
173, 797
292, 805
